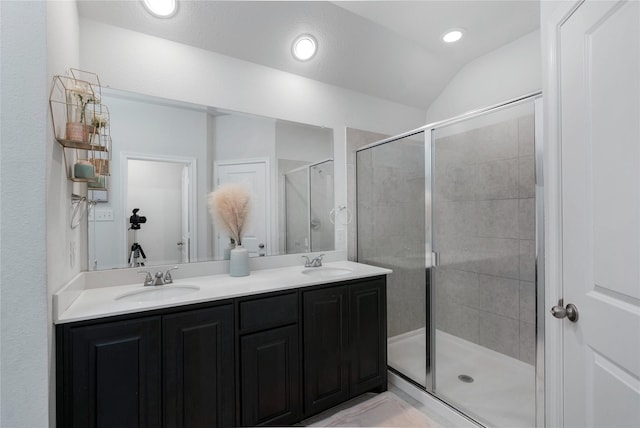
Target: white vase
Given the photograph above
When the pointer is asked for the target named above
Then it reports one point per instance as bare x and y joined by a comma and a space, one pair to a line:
239, 261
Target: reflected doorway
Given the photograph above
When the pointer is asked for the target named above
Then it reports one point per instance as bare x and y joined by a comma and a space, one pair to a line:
161, 189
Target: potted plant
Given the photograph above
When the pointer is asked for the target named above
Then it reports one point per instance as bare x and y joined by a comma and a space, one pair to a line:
229, 204
78, 97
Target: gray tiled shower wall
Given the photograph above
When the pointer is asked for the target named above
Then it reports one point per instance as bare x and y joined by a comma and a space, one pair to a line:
356, 139
391, 226
484, 230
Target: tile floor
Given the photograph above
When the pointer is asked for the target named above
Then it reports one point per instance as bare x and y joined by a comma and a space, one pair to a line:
354, 413
386, 409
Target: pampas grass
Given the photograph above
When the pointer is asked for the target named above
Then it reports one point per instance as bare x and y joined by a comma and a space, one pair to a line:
229, 205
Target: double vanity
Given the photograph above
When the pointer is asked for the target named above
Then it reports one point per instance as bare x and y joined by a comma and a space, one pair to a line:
272, 348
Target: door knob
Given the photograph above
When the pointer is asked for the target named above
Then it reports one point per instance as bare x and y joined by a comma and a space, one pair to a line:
570, 311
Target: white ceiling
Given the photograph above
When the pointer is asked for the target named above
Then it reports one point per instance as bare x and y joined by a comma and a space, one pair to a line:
387, 49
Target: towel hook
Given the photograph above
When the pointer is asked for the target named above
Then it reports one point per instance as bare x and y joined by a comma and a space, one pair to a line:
81, 205
340, 209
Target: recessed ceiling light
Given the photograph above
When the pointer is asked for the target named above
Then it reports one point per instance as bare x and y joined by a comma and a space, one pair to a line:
453, 35
161, 8
304, 47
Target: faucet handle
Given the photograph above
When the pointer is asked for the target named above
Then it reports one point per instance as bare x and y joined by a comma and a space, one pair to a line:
317, 261
149, 279
168, 279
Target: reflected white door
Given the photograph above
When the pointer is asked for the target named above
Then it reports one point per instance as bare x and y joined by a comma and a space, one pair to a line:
156, 188
600, 138
255, 175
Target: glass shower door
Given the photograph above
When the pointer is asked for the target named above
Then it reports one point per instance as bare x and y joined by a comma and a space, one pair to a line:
391, 233
320, 205
296, 184
484, 287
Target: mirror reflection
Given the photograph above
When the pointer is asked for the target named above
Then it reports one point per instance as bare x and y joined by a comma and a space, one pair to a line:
167, 156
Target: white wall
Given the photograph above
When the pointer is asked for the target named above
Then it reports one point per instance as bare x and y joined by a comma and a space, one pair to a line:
508, 72
296, 141
23, 291
240, 136
66, 248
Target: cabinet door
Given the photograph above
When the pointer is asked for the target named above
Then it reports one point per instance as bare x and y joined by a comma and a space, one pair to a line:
270, 377
112, 377
368, 328
198, 368
326, 339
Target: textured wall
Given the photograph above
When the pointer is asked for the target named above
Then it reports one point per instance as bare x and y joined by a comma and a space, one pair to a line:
23, 290
484, 230
391, 226
356, 138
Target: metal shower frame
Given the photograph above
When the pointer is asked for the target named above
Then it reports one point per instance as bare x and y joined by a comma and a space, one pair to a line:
429, 129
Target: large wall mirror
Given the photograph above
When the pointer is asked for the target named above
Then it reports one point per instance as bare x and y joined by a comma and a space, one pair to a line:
167, 156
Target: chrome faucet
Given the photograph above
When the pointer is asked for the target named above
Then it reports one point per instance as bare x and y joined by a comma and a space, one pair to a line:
148, 280
160, 278
168, 279
315, 262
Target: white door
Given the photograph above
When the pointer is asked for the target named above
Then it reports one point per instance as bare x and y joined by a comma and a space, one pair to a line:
600, 140
255, 175
155, 188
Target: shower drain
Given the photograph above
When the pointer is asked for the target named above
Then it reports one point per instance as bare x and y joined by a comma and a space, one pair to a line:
465, 378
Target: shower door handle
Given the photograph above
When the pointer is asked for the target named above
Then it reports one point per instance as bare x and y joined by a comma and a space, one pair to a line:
435, 259
570, 311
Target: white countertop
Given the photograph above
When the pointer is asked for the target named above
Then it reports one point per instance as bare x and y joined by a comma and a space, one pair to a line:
99, 302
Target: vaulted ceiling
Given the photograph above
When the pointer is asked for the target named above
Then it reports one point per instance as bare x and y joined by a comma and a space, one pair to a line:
388, 49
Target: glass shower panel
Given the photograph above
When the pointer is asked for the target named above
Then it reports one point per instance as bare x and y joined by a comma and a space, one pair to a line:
484, 284
391, 233
296, 185
321, 204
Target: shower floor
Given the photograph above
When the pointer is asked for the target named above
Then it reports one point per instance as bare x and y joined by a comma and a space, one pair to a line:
503, 390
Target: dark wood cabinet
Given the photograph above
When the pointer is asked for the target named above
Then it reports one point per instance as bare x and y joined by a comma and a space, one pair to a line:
111, 375
175, 369
198, 366
269, 371
270, 377
344, 343
269, 359
368, 333
326, 342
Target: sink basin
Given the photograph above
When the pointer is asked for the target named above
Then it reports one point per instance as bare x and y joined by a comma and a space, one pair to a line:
160, 292
326, 271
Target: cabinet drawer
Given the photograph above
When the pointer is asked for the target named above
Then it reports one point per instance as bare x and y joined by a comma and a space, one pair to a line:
268, 312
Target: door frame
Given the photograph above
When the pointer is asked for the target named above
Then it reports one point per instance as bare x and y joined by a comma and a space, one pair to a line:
271, 227
190, 163
554, 351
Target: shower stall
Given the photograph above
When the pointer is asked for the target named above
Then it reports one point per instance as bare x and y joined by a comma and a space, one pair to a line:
308, 201
454, 210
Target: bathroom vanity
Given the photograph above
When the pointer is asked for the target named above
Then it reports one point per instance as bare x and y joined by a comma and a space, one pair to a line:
270, 349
